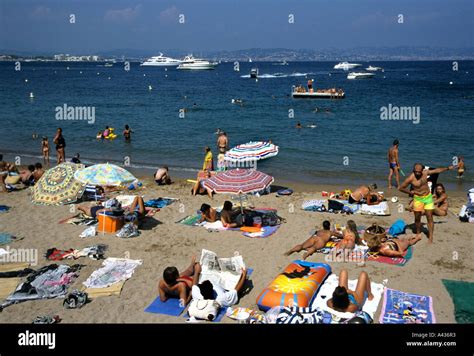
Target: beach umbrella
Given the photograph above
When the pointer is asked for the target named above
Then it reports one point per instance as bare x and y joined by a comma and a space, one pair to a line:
251, 151
105, 175
238, 181
58, 186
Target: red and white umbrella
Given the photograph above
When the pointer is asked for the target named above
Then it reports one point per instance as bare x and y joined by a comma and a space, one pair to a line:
238, 181
251, 151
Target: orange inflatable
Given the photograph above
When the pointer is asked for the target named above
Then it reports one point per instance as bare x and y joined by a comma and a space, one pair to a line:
297, 285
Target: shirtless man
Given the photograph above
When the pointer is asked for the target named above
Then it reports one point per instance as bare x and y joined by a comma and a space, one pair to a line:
315, 242
162, 176
367, 194
393, 164
422, 198
176, 285
222, 142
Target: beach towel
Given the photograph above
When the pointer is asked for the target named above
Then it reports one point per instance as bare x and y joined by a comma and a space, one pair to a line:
7, 238
265, 232
159, 202
114, 270
190, 220
255, 315
125, 200
397, 228
325, 293
215, 226
397, 261
314, 205
406, 308
171, 307
461, 293
114, 289
78, 219
381, 209
300, 315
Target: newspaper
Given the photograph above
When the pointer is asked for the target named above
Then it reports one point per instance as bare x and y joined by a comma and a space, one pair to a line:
224, 272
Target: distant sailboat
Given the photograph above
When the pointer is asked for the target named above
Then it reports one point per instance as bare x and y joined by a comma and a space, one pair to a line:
250, 60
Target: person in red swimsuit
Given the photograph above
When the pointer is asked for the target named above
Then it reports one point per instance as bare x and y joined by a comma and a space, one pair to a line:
178, 285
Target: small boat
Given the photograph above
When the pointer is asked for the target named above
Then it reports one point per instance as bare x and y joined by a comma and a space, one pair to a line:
373, 69
254, 73
301, 93
360, 75
108, 65
282, 63
347, 65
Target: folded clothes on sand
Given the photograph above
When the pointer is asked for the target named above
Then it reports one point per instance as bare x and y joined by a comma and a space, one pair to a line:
114, 270
381, 209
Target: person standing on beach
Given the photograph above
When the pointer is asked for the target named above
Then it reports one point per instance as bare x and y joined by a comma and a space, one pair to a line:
393, 164
422, 197
222, 142
208, 164
60, 143
45, 150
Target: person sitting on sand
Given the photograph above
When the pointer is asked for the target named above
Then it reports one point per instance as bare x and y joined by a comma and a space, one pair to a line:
162, 176
208, 214
228, 216
394, 247
27, 176
38, 172
440, 201
345, 300
225, 298
178, 285
137, 208
350, 237
198, 187
365, 194
316, 242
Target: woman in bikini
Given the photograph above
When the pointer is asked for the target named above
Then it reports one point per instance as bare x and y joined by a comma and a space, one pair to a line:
60, 143
345, 300
440, 201
176, 285
45, 150
350, 237
395, 247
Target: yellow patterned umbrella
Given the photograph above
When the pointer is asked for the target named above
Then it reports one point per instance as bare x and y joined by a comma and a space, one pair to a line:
58, 186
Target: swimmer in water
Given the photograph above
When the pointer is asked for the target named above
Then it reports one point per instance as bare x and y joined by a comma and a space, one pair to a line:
298, 125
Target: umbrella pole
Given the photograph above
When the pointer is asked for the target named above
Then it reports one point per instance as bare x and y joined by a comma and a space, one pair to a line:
241, 204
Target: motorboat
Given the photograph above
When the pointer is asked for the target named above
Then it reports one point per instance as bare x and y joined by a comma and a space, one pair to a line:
347, 65
161, 61
299, 92
373, 69
282, 63
191, 63
254, 73
360, 75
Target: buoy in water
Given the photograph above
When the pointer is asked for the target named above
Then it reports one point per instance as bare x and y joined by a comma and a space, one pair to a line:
144, 75
32, 95
149, 87
26, 80
450, 83
108, 78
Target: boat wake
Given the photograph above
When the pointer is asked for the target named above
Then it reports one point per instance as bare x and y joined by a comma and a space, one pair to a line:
278, 75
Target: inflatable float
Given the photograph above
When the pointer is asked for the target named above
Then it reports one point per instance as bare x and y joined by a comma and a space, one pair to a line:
296, 286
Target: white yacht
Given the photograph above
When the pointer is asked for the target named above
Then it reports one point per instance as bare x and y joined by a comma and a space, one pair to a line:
254, 73
161, 61
191, 63
347, 65
360, 75
373, 69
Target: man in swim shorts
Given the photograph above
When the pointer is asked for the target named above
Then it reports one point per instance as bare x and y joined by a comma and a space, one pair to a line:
393, 164
422, 197
222, 142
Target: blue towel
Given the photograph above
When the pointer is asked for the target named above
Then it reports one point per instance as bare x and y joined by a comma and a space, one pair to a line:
397, 228
158, 203
170, 307
5, 238
4, 208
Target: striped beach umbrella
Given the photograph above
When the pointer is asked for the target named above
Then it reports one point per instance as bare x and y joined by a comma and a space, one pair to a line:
238, 181
105, 174
58, 186
251, 151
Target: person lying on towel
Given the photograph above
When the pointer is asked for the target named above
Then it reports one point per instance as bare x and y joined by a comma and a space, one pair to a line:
225, 298
178, 285
229, 216
366, 194
395, 247
316, 242
208, 214
345, 300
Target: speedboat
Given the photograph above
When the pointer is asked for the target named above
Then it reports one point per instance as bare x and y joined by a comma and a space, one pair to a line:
373, 69
282, 63
254, 73
191, 63
347, 65
161, 61
360, 75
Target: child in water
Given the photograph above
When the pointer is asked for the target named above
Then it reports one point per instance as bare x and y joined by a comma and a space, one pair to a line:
45, 149
461, 167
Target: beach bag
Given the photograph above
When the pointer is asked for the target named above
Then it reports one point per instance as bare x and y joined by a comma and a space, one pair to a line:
206, 309
374, 234
467, 213
270, 219
397, 228
75, 300
334, 205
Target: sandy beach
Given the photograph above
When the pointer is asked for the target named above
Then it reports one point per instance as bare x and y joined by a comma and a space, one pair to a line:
164, 243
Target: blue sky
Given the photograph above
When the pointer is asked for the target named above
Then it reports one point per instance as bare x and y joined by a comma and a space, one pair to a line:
103, 25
